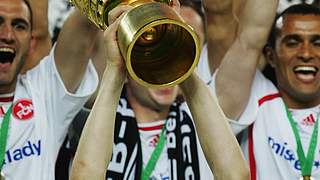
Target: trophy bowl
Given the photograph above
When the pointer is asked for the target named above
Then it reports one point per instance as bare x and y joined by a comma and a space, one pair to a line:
159, 48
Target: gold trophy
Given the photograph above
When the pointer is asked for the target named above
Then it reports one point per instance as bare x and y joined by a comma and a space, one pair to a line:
160, 50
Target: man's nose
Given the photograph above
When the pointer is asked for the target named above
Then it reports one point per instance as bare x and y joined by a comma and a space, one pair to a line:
306, 52
6, 34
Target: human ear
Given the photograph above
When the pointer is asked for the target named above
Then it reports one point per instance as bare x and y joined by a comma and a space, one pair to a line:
33, 43
270, 55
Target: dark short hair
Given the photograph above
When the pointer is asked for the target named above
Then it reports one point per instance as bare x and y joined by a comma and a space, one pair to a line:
30, 10
194, 4
301, 9
197, 5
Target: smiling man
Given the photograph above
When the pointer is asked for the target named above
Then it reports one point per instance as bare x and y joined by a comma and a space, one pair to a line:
281, 141
37, 107
296, 57
15, 41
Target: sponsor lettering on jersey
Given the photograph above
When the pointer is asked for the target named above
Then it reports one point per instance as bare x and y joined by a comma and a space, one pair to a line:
283, 151
28, 150
23, 109
161, 177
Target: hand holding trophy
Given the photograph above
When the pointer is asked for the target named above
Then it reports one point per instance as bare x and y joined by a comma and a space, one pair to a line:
159, 49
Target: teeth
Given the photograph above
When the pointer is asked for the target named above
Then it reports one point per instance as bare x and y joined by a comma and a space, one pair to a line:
305, 68
9, 50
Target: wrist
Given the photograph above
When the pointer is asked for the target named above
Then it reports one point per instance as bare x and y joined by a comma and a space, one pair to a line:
186, 84
113, 74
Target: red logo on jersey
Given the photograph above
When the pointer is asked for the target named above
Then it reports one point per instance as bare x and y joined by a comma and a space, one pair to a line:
154, 140
23, 109
308, 121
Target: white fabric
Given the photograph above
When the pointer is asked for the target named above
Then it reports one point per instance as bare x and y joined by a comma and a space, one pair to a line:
283, 4
58, 11
42, 112
203, 69
273, 139
149, 140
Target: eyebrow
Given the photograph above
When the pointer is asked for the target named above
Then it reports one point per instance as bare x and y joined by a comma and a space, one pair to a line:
291, 36
21, 20
315, 37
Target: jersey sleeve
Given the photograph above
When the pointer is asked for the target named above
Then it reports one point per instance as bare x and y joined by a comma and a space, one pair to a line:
260, 87
59, 105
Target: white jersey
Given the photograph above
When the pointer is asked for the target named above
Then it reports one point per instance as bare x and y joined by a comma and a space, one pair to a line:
41, 113
203, 69
149, 136
269, 143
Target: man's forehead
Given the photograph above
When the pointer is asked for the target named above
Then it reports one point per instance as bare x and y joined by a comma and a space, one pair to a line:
299, 23
15, 8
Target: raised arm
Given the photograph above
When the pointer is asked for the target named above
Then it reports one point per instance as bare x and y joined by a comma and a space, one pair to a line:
222, 23
217, 140
236, 72
40, 32
99, 62
73, 50
95, 147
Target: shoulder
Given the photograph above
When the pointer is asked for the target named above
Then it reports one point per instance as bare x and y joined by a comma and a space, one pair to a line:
44, 64
262, 86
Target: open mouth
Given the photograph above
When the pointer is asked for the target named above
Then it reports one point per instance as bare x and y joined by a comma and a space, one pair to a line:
7, 55
306, 73
306, 70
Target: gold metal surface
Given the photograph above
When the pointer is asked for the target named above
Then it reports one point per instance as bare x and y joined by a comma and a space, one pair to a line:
160, 50
94, 10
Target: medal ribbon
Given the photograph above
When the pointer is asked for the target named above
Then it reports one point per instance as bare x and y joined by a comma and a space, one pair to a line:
146, 172
306, 162
4, 134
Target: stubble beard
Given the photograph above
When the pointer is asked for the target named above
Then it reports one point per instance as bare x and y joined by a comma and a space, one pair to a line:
10, 85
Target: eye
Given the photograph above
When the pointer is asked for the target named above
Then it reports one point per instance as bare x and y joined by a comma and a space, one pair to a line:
316, 42
291, 42
20, 26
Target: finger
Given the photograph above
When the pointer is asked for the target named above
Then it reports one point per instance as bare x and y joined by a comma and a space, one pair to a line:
111, 31
175, 4
117, 11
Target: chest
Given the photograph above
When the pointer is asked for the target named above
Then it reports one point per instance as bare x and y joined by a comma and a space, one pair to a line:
275, 143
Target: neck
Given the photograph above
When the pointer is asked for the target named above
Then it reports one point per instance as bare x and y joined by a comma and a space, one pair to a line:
144, 114
293, 103
6, 89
